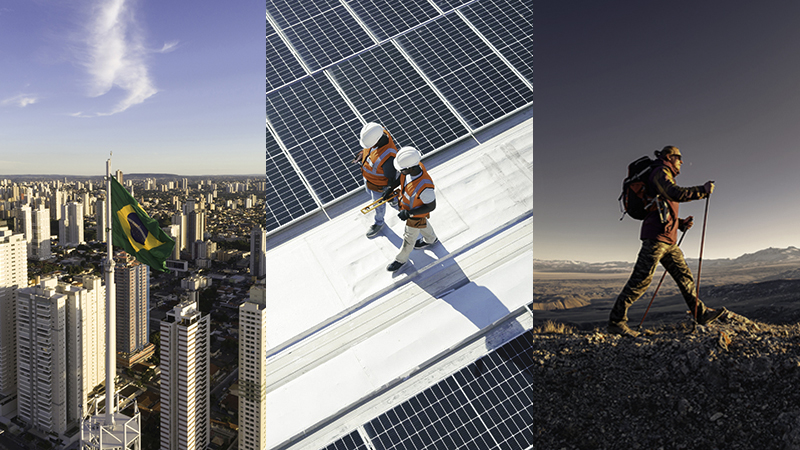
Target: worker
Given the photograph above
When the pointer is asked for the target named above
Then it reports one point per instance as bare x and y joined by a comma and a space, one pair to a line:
377, 167
416, 201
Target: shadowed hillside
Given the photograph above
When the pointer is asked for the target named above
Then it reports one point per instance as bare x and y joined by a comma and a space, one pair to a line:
729, 385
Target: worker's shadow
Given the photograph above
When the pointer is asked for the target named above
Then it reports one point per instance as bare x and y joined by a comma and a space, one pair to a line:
442, 278
479, 304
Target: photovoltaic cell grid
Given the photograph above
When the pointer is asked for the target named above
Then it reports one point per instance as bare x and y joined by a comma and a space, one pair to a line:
320, 133
321, 32
388, 18
315, 122
471, 77
282, 67
386, 89
287, 196
486, 405
508, 25
352, 441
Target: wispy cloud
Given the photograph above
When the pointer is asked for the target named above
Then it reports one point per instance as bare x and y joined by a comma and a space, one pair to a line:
21, 100
168, 47
116, 55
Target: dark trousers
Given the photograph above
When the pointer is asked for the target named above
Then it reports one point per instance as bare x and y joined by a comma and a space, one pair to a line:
651, 253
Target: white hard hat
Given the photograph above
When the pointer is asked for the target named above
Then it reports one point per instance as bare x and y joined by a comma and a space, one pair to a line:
370, 134
407, 157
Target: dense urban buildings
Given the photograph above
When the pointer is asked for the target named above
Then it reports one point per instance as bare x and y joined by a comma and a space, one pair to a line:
185, 384
43, 253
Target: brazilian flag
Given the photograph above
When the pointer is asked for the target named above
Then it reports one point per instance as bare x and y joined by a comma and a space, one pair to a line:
136, 232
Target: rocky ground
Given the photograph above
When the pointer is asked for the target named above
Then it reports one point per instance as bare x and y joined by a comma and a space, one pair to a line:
734, 384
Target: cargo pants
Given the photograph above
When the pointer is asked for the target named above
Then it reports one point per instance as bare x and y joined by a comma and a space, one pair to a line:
671, 257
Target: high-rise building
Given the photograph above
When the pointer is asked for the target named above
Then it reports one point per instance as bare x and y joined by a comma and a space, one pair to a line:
39, 247
56, 201
13, 276
185, 389
132, 291
258, 253
86, 343
252, 370
42, 357
70, 227
195, 227
24, 224
100, 209
179, 219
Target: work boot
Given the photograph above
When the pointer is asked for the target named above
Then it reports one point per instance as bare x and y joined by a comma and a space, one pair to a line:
394, 266
622, 329
374, 230
422, 244
711, 315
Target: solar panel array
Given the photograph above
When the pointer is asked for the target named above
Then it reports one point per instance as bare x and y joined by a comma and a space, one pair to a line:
487, 405
431, 71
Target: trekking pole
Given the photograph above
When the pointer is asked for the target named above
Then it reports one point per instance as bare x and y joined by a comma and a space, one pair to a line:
657, 287
700, 263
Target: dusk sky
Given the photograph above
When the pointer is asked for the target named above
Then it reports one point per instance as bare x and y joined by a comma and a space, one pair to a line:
620, 79
169, 87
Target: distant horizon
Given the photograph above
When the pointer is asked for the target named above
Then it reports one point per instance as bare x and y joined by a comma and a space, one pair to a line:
688, 258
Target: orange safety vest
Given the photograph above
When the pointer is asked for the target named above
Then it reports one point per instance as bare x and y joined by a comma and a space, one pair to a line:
409, 193
372, 160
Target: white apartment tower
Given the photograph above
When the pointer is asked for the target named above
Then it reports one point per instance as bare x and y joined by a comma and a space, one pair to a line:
24, 224
252, 370
41, 234
13, 276
100, 216
185, 389
42, 357
70, 227
86, 343
258, 253
132, 280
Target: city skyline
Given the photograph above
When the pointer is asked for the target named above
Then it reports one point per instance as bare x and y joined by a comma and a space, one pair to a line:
167, 89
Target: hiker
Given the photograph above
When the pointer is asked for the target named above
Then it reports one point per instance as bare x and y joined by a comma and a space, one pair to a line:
377, 167
417, 200
658, 234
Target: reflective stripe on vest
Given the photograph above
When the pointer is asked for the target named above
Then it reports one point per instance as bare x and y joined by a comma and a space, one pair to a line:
409, 198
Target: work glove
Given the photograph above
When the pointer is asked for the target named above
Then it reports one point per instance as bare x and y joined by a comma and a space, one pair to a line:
404, 215
685, 224
388, 193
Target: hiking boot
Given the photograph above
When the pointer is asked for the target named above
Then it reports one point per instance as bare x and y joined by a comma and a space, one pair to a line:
394, 266
711, 315
622, 329
374, 230
422, 244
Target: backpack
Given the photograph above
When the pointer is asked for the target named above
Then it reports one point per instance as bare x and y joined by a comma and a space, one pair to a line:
636, 199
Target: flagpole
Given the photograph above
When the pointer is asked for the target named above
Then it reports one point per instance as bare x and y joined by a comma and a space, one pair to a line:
111, 342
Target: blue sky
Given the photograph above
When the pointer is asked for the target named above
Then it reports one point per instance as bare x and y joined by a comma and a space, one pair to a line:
168, 87
619, 79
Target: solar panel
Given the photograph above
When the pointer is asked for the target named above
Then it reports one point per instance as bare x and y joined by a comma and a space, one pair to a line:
282, 67
320, 133
352, 441
321, 32
486, 405
472, 77
286, 196
388, 18
464, 84
386, 89
508, 26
